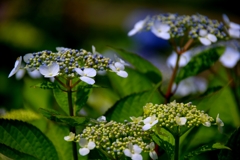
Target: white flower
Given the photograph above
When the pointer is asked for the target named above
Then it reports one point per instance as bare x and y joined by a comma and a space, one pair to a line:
181, 120
136, 119
184, 59
70, 137
86, 146
191, 85
17, 66
230, 57
149, 122
49, 70
219, 123
101, 119
161, 30
86, 74
133, 151
119, 69
121, 61
234, 28
32, 74
206, 38
152, 152
137, 27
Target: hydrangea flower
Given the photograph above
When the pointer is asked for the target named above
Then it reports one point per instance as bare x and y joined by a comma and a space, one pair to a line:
219, 123
152, 152
101, 119
206, 38
70, 137
86, 146
136, 119
161, 30
17, 66
51, 70
119, 69
230, 57
86, 73
180, 120
184, 59
133, 151
137, 27
149, 122
234, 28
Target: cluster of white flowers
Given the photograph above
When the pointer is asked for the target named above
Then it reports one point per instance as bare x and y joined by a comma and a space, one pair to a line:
198, 27
69, 63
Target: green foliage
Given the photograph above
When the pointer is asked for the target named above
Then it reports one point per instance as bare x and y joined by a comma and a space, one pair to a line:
199, 63
21, 114
205, 148
57, 117
27, 139
131, 105
46, 85
141, 65
234, 144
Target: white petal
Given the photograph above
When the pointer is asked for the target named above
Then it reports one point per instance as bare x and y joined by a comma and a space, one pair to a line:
219, 121
20, 73
91, 145
234, 33
93, 49
127, 153
181, 121
49, 71
123, 74
154, 122
119, 65
113, 68
163, 35
230, 57
83, 142
84, 151
137, 149
212, 37
205, 41
225, 19
233, 25
34, 74
152, 146
137, 27
207, 124
90, 72
17, 66
26, 57
137, 157
153, 155
147, 120
203, 32
101, 119
146, 126
79, 71
87, 80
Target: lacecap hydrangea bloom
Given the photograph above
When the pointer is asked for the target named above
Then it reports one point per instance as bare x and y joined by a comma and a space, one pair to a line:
174, 26
68, 63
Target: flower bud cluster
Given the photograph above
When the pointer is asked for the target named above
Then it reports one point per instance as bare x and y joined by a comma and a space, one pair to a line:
68, 60
177, 114
114, 137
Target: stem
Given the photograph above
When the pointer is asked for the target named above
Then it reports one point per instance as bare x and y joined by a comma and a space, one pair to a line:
176, 149
71, 112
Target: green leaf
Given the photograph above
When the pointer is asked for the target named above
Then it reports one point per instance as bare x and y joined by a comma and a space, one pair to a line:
131, 105
134, 83
27, 139
164, 140
57, 117
205, 148
199, 63
62, 99
21, 114
46, 85
11, 154
142, 65
233, 143
83, 91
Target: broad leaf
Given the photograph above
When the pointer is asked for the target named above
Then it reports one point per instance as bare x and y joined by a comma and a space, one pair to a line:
21, 114
131, 105
134, 83
142, 65
205, 148
10, 154
62, 99
199, 63
27, 139
69, 120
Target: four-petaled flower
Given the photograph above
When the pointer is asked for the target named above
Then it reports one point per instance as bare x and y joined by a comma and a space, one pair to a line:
219, 123
149, 122
180, 120
137, 27
119, 69
86, 74
152, 152
86, 146
70, 137
234, 28
51, 70
17, 66
206, 38
133, 151
161, 30
230, 57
